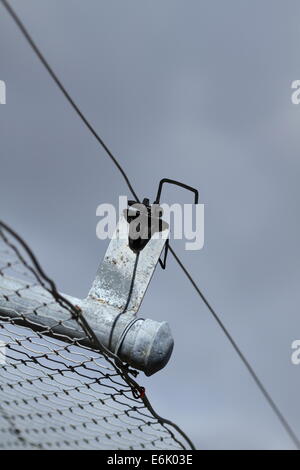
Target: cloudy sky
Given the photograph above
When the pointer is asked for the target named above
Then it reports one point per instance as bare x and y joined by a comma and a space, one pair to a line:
199, 91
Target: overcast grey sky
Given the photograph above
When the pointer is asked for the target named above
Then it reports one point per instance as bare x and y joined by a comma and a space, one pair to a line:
198, 91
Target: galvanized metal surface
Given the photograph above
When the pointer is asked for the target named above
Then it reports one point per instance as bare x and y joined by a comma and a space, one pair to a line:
113, 279
147, 345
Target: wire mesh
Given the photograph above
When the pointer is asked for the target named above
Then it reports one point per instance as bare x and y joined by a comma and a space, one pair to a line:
59, 387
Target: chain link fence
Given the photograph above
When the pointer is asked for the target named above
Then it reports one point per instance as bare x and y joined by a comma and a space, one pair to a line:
59, 387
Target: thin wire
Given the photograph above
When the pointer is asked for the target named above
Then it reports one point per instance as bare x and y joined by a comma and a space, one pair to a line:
67, 95
13, 429
127, 301
274, 407
89, 126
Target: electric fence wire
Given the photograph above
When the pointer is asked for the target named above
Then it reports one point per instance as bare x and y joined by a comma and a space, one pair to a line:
263, 390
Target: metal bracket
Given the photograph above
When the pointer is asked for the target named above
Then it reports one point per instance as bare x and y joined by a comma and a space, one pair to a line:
113, 280
144, 344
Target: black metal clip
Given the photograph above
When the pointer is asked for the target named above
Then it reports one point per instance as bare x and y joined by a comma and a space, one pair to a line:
144, 219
